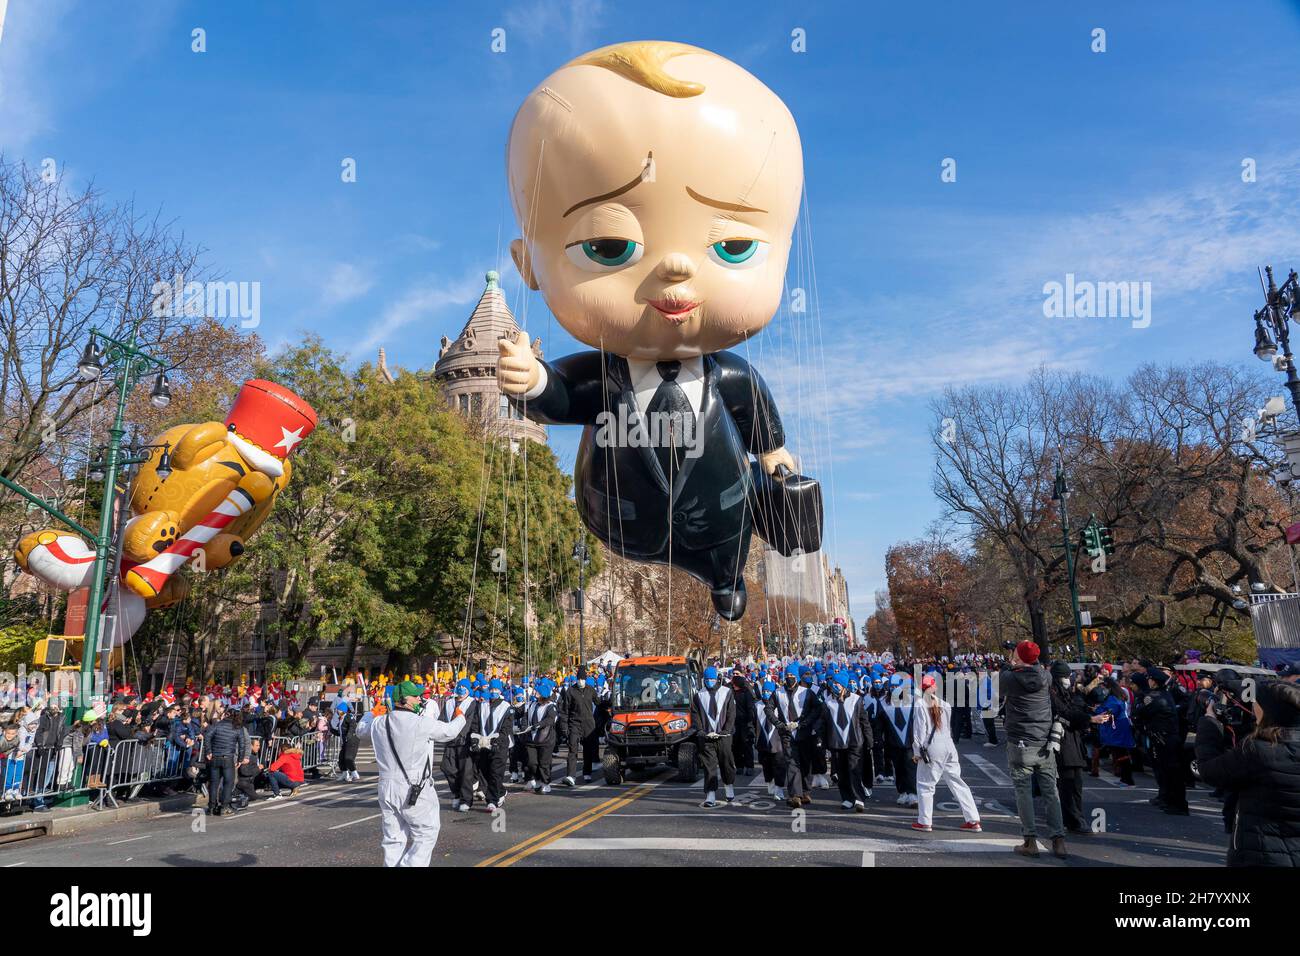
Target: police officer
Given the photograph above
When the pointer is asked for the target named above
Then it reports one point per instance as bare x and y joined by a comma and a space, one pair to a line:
578, 711
1157, 716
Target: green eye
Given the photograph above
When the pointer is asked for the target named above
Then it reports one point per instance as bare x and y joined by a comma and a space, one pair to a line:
609, 252
735, 251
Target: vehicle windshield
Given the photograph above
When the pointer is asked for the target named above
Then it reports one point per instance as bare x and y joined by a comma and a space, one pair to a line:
648, 687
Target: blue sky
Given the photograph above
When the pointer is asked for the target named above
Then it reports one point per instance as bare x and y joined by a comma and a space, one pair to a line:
1115, 166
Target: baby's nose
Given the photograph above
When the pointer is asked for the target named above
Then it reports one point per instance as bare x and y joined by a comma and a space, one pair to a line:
675, 267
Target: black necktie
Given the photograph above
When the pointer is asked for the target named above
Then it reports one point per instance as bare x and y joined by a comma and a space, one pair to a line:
713, 705
843, 718
899, 721
793, 716
669, 419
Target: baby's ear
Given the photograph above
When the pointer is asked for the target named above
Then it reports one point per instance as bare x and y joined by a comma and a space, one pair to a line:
519, 253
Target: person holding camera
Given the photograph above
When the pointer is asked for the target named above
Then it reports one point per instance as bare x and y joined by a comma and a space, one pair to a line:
1262, 771
403, 740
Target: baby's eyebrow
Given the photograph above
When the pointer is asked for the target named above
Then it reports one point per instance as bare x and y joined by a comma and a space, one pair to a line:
649, 164
719, 204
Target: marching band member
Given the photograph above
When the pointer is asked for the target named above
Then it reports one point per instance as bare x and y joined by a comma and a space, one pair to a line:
456, 764
490, 743
801, 718
934, 754
773, 745
898, 706
848, 731
518, 743
541, 737
713, 713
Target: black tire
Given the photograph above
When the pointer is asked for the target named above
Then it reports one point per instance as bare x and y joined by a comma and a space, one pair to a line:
613, 772
687, 761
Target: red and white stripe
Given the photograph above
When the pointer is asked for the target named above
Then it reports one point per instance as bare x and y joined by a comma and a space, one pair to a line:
155, 572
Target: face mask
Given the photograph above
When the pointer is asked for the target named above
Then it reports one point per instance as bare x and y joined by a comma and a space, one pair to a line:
767, 695
710, 684
496, 695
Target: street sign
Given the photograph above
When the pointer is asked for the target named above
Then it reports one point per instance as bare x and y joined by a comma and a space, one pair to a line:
1087, 597
1085, 618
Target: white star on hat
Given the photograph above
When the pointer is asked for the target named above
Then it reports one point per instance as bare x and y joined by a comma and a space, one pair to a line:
290, 438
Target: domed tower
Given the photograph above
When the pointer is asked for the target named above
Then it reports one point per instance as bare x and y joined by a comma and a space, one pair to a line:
467, 367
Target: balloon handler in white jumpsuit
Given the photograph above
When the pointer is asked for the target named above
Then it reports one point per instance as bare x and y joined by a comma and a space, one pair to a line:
403, 741
935, 756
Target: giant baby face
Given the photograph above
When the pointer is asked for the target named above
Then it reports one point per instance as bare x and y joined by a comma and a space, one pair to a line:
656, 224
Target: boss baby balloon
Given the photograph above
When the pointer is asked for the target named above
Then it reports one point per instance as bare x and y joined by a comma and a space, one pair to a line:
657, 186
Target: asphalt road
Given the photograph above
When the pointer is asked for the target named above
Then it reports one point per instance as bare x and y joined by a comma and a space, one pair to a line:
651, 821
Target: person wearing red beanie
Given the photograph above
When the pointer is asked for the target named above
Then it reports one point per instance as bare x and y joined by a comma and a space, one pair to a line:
1029, 757
1028, 652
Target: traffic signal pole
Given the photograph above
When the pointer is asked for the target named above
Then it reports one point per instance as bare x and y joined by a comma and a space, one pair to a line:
1060, 495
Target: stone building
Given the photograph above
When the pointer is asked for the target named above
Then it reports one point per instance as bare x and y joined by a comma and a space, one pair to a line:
467, 367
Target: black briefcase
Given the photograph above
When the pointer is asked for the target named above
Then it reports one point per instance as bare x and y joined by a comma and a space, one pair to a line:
787, 510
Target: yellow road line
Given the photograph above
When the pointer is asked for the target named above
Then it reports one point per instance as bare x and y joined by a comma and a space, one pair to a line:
534, 843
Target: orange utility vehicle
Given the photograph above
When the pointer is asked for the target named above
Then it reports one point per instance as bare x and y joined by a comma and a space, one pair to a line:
651, 717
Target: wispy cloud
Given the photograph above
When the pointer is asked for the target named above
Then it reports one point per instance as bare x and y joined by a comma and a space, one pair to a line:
415, 305
543, 21
345, 283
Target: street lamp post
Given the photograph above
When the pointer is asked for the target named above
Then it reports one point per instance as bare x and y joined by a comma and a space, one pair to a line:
580, 555
1272, 327
127, 363
1060, 493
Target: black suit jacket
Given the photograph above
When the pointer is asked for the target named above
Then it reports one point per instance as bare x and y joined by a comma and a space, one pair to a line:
622, 492
726, 712
858, 731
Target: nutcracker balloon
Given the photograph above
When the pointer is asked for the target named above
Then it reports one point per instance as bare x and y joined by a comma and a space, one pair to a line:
657, 186
223, 482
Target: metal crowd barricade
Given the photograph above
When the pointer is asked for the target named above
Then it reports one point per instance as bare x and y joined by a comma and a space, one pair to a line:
318, 754
134, 764
40, 773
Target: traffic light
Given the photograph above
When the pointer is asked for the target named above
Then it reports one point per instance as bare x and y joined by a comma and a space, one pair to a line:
1092, 636
1092, 538
1105, 539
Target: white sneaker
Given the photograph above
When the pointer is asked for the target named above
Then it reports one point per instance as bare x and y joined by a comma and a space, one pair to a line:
847, 804
491, 808
780, 794
586, 778
868, 792
859, 806
771, 789
731, 791
462, 808
274, 796
534, 786
913, 800
880, 778
569, 782
990, 745
546, 788
902, 800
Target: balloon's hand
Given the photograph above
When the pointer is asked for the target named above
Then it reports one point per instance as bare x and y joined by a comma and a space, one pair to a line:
771, 459
517, 368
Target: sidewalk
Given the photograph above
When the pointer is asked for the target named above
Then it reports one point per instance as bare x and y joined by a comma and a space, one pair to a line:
65, 820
